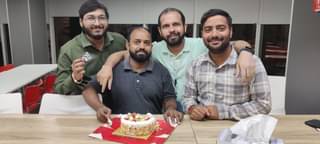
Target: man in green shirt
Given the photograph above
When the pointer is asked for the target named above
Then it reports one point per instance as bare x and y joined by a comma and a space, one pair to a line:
83, 56
176, 52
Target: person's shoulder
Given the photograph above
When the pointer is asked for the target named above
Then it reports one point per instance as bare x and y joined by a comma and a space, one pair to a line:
159, 44
198, 61
158, 66
117, 36
158, 47
193, 40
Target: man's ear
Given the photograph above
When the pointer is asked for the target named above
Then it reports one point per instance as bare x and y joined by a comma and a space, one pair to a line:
185, 28
159, 30
231, 32
80, 22
127, 45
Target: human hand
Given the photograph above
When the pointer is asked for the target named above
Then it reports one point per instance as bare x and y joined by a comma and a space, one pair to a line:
78, 69
104, 77
213, 112
198, 112
173, 116
103, 114
245, 67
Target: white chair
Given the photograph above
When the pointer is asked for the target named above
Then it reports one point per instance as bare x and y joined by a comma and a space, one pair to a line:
278, 87
11, 103
64, 104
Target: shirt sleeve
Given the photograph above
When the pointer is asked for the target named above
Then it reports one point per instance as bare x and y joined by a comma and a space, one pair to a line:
260, 102
169, 90
190, 91
64, 83
95, 85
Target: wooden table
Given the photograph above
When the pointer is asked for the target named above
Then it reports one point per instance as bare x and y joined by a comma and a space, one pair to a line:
33, 128
42, 129
290, 128
16, 78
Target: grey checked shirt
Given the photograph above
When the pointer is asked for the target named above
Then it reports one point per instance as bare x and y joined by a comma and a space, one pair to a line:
209, 84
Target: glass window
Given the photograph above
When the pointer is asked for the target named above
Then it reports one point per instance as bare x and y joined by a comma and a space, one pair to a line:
246, 32
68, 27
65, 29
121, 28
156, 36
274, 48
6, 44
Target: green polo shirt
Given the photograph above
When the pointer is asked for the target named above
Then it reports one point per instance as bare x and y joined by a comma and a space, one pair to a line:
76, 48
177, 64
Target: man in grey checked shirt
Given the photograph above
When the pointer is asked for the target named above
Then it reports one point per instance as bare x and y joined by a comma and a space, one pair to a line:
212, 90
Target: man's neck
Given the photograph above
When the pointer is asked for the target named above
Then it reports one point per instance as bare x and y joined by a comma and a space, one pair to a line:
220, 58
97, 43
176, 49
137, 67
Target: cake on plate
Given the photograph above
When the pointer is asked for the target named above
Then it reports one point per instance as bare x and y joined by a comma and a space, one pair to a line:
137, 125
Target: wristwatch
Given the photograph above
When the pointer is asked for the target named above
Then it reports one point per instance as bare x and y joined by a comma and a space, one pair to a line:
250, 50
74, 80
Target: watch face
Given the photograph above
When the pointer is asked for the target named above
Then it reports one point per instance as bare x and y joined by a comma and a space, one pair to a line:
86, 57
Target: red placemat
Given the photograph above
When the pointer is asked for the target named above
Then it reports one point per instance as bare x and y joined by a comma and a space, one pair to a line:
158, 137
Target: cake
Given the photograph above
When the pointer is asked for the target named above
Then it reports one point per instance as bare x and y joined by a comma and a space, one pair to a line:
137, 125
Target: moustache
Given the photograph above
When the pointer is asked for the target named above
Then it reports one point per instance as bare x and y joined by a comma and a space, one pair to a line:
173, 34
215, 38
97, 27
141, 50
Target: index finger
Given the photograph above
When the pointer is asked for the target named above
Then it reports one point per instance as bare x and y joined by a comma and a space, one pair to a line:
103, 86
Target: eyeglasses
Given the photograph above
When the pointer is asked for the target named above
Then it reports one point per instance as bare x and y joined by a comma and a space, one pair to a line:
92, 19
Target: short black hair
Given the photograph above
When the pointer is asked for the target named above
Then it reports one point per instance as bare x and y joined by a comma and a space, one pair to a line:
215, 12
167, 10
131, 29
92, 5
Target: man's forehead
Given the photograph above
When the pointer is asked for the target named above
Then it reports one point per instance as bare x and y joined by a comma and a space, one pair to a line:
165, 17
138, 33
216, 20
96, 12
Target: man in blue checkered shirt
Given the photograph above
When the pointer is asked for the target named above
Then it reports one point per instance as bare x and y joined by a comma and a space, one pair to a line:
212, 91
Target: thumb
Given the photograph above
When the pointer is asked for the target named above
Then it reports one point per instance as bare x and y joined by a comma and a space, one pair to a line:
103, 87
110, 84
237, 70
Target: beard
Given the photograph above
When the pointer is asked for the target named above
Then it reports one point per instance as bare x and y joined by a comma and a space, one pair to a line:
95, 35
140, 56
174, 39
220, 49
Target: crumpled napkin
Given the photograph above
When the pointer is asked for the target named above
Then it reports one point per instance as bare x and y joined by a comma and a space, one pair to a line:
252, 130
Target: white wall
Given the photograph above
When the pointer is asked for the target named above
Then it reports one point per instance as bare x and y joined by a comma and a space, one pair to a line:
275, 11
147, 11
302, 89
3, 12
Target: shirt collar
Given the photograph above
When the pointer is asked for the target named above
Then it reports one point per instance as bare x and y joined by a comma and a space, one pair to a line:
185, 48
232, 59
86, 43
127, 66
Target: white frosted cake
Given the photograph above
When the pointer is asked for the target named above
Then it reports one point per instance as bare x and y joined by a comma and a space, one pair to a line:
133, 124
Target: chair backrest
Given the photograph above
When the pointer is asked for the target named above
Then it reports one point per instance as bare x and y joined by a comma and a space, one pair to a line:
49, 83
6, 67
278, 87
64, 104
32, 97
11, 103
